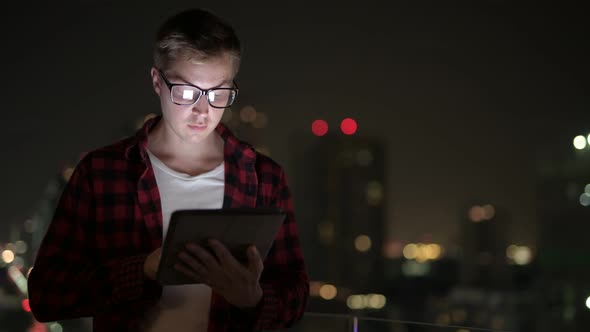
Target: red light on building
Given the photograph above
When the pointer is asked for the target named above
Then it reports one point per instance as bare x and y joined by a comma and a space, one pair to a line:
319, 127
26, 306
348, 126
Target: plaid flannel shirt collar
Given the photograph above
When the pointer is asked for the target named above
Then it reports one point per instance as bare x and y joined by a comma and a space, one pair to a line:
240, 152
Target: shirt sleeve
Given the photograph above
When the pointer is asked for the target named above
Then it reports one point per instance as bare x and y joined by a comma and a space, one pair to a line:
284, 280
67, 281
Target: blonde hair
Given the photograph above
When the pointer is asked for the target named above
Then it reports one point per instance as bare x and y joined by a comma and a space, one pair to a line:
194, 34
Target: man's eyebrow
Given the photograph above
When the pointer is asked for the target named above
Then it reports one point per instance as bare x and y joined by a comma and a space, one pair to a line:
184, 81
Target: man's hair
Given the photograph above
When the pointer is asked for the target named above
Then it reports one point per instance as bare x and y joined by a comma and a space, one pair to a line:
194, 34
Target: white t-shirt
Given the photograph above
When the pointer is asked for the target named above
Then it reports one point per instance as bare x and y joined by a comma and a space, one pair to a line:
184, 307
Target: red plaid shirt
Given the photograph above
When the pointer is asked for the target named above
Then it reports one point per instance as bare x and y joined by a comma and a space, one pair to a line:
109, 219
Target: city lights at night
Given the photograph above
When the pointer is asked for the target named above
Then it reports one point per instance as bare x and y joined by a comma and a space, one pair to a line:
432, 162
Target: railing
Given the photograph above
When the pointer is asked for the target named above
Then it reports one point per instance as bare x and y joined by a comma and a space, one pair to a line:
325, 322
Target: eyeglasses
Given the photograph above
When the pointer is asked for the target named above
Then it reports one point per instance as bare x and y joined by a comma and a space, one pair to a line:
188, 94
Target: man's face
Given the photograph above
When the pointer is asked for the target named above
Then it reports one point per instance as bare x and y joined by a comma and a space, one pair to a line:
193, 123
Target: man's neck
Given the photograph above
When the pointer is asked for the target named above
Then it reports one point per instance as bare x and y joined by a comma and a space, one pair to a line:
166, 145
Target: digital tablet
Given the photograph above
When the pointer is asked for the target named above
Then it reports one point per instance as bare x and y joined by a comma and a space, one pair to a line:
235, 228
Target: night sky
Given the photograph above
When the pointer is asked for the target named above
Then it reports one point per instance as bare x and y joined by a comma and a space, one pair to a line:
464, 96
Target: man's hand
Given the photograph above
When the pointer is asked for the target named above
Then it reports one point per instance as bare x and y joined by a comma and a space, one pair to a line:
150, 266
237, 283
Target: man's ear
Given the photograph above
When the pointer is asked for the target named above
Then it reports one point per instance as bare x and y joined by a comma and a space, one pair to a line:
156, 80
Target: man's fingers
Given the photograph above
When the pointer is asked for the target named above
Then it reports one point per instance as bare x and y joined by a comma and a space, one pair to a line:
203, 255
225, 257
255, 264
191, 262
188, 272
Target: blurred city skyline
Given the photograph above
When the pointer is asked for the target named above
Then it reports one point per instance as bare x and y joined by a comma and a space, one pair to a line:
462, 96
473, 104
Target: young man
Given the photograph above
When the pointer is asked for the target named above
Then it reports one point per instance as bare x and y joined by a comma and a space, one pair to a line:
100, 254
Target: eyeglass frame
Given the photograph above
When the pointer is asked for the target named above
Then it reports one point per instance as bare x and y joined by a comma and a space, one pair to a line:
203, 92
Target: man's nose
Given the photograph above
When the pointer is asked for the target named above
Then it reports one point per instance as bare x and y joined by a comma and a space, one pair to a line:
202, 105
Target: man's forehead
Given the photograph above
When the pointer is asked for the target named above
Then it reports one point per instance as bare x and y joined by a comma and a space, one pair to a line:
205, 79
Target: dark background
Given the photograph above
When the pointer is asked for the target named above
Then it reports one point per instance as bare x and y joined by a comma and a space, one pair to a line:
469, 103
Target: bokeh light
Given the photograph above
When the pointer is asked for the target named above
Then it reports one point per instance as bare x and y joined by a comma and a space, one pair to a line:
520, 255
580, 142
489, 212
374, 193
362, 243
55, 327
476, 214
328, 292
511, 250
25, 305
588, 302
410, 251
376, 301
348, 126
585, 199
20, 247
7, 256
356, 302
319, 127
248, 114
364, 157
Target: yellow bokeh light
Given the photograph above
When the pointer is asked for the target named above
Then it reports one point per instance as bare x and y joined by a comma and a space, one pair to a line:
489, 211
435, 251
511, 250
410, 251
328, 292
523, 255
421, 253
374, 193
356, 302
580, 142
376, 301
8, 256
362, 243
